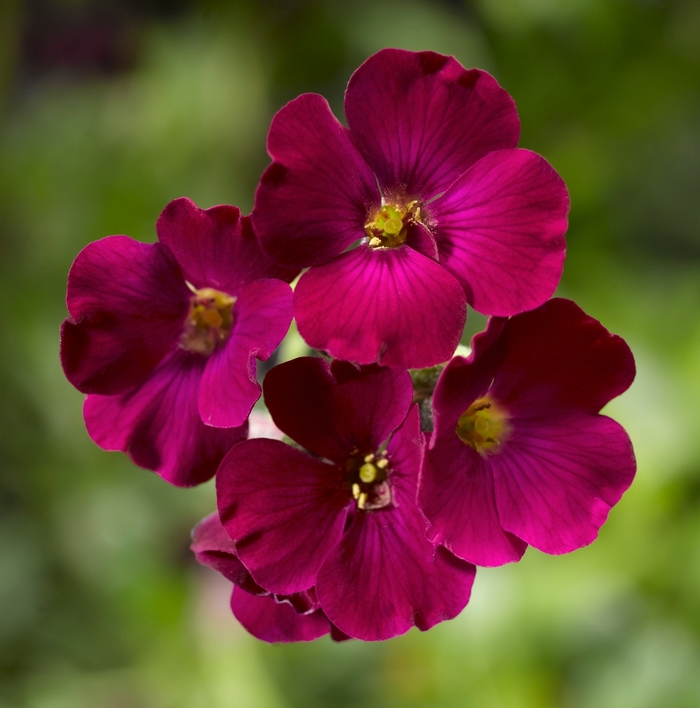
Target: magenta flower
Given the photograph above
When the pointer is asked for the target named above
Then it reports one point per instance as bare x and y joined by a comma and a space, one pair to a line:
343, 517
428, 179
519, 454
163, 337
272, 618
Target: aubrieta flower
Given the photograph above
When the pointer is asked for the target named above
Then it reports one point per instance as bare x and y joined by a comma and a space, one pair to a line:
429, 186
163, 337
520, 454
272, 618
342, 517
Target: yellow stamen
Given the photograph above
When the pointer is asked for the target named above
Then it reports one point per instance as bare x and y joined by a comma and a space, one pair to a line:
368, 472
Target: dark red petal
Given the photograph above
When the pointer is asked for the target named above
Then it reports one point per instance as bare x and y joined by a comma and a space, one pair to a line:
157, 423
332, 410
313, 201
284, 509
127, 303
215, 247
558, 357
420, 119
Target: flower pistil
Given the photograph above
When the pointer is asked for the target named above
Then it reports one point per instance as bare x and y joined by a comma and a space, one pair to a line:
484, 426
389, 225
209, 320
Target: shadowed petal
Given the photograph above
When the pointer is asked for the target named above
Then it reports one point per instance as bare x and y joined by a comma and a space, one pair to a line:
215, 247
330, 410
385, 576
391, 306
213, 547
158, 424
276, 622
421, 119
557, 478
127, 303
500, 231
312, 202
284, 509
262, 314
456, 494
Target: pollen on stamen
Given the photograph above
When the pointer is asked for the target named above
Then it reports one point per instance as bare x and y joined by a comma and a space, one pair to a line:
368, 480
368, 472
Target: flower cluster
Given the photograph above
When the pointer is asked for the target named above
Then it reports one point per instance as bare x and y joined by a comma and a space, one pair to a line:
390, 486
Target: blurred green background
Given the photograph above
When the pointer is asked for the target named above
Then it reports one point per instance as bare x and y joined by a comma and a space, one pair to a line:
111, 109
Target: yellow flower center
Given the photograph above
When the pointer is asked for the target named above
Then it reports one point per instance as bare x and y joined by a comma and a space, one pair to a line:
368, 480
388, 227
209, 320
484, 426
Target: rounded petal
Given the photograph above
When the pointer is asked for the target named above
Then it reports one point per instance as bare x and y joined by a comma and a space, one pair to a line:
158, 425
385, 576
331, 409
284, 509
391, 306
500, 231
558, 477
557, 357
127, 303
421, 119
213, 547
262, 315
456, 495
313, 200
276, 622
216, 247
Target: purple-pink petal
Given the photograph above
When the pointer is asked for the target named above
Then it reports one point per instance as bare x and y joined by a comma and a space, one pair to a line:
500, 231
457, 495
262, 314
558, 477
284, 509
312, 201
215, 247
421, 119
391, 306
127, 302
278, 622
385, 577
157, 423
331, 409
